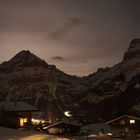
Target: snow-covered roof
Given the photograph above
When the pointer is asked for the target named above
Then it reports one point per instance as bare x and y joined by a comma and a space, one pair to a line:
62, 122
16, 106
95, 128
136, 118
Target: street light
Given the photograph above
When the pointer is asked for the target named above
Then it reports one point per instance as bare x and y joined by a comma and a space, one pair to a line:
67, 113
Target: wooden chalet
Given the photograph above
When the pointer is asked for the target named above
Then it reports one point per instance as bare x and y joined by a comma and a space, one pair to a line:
125, 125
62, 127
16, 114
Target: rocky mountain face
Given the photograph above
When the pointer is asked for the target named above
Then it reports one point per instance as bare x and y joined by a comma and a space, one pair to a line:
115, 90
26, 77
109, 91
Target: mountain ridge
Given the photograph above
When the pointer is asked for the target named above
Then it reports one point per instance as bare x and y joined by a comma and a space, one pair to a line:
28, 78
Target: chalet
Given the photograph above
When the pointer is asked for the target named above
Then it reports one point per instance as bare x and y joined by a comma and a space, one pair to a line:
15, 114
62, 127
125, 125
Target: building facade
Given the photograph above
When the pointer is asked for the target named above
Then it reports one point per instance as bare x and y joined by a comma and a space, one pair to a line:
125, 125
62, 127
16, 114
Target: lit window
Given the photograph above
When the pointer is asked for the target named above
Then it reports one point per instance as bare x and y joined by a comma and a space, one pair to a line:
132, 121
22, 121
36, 121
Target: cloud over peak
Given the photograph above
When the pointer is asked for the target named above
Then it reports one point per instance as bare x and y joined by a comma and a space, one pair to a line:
58, 58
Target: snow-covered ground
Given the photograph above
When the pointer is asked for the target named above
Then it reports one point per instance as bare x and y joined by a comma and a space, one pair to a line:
14, 134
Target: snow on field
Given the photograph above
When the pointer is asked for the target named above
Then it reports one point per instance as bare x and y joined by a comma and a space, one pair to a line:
14, 134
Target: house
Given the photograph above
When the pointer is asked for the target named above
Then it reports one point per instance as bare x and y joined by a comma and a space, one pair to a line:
15, 114
125, 125
63, 127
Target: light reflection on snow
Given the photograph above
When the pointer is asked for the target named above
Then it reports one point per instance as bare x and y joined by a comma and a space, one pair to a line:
42, 137
16, 134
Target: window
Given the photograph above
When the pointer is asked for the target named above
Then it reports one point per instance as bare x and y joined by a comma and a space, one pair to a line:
122, 122
22, 121
132, 121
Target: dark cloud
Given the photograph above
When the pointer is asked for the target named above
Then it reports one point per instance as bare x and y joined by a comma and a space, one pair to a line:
66, 28
58, 58
84, 61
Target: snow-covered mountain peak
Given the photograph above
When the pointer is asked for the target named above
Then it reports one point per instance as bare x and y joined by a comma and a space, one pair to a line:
134, 45
133, 50
131, 61
25, 58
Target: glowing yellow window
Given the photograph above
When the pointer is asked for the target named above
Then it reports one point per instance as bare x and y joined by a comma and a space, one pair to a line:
22, 121
132, 121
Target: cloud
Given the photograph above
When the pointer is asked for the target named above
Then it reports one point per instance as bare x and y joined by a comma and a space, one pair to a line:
58, 58
68, 27
84, 61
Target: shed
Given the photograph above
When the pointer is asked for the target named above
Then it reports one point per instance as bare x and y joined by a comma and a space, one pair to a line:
63, 127
125, 124
16, 114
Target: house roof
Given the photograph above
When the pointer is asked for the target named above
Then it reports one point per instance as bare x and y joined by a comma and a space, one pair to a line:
133, 117
16, 106
62, 122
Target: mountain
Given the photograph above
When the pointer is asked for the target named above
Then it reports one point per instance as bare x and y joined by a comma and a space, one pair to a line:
107, 92
28, 78
115, 90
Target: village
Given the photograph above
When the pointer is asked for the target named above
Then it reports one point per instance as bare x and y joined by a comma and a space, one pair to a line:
19, 117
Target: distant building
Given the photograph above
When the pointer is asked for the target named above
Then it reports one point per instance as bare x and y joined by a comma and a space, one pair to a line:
15, 114
62, 127
124, 125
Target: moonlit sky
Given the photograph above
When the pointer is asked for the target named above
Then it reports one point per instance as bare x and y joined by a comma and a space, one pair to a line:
78, 36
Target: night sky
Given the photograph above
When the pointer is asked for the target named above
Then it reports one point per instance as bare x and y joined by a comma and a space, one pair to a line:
78, 36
